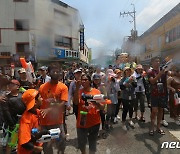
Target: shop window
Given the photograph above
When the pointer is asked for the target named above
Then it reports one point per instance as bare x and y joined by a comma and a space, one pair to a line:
21, 25
22, 47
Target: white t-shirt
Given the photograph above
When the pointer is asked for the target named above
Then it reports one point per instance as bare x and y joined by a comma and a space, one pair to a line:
140, 84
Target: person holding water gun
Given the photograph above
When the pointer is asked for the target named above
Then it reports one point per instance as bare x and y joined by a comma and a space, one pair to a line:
88, 120
128, 85
26, 140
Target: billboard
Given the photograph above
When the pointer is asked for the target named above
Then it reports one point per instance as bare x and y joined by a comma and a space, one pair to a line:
60, 53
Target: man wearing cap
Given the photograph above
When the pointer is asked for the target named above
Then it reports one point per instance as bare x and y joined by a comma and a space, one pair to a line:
44, 77
98, 71
140, 92
26, 140
23, 79
72, 88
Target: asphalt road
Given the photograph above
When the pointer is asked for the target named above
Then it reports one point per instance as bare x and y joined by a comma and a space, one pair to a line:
134, 141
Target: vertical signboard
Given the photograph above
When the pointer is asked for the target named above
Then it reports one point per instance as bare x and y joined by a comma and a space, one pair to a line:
82, 37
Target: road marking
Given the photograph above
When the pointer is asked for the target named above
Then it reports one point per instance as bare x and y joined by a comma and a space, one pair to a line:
176, 134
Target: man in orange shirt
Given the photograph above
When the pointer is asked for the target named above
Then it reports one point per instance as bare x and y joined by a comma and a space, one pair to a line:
29, 120
55, 95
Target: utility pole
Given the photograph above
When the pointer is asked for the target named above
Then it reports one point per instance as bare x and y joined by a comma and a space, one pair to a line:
133, 15
133, 32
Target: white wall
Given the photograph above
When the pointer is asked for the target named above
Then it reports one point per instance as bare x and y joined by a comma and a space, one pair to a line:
9, 11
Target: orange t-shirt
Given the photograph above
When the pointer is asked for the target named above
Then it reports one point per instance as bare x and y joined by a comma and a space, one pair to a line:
93, 116
57, 91
27, 123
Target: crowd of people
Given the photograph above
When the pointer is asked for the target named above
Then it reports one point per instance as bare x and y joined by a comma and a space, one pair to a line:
43, 103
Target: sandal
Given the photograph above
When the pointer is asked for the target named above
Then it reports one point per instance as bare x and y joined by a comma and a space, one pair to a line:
160, 131
136, 118
142, 119
151, 132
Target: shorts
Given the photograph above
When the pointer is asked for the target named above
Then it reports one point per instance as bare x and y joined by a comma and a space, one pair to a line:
159, 101
88, 133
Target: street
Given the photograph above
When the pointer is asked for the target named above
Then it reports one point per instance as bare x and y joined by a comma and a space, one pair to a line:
135, 141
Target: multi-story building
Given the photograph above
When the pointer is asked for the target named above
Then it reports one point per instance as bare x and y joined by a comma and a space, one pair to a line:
40, 30
163, 38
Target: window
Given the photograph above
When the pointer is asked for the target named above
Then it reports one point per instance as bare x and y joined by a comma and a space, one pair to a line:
85, 52
173, 34
21, 25
178, 32
5, 54
159, 42
67, 54
70, 54
63, 41
167, 37
22, 47
21, 0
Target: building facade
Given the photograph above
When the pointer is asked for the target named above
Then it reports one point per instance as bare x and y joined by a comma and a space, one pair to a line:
40, 30
163, 38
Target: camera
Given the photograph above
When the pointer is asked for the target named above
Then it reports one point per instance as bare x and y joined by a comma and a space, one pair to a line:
160, 87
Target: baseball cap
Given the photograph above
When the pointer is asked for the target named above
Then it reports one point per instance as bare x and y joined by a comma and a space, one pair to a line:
77, 70
22, 70
96, 76
29, 98
16, 82
126, 68
116, 71
43, 68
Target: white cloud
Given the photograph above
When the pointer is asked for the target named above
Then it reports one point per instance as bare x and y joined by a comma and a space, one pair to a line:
155, 10
93, 43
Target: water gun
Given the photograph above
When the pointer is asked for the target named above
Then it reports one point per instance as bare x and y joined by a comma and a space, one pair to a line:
53, 134
100, 98
14, 136
168, 65
29, 70
22, 90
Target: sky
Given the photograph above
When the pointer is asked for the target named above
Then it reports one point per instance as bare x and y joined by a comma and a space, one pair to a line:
105, 29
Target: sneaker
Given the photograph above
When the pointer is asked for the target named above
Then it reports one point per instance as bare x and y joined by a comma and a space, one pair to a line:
177, 122
164, 123
67, 138
115, 120
124, 127
166, 110
118, 117
131, 123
